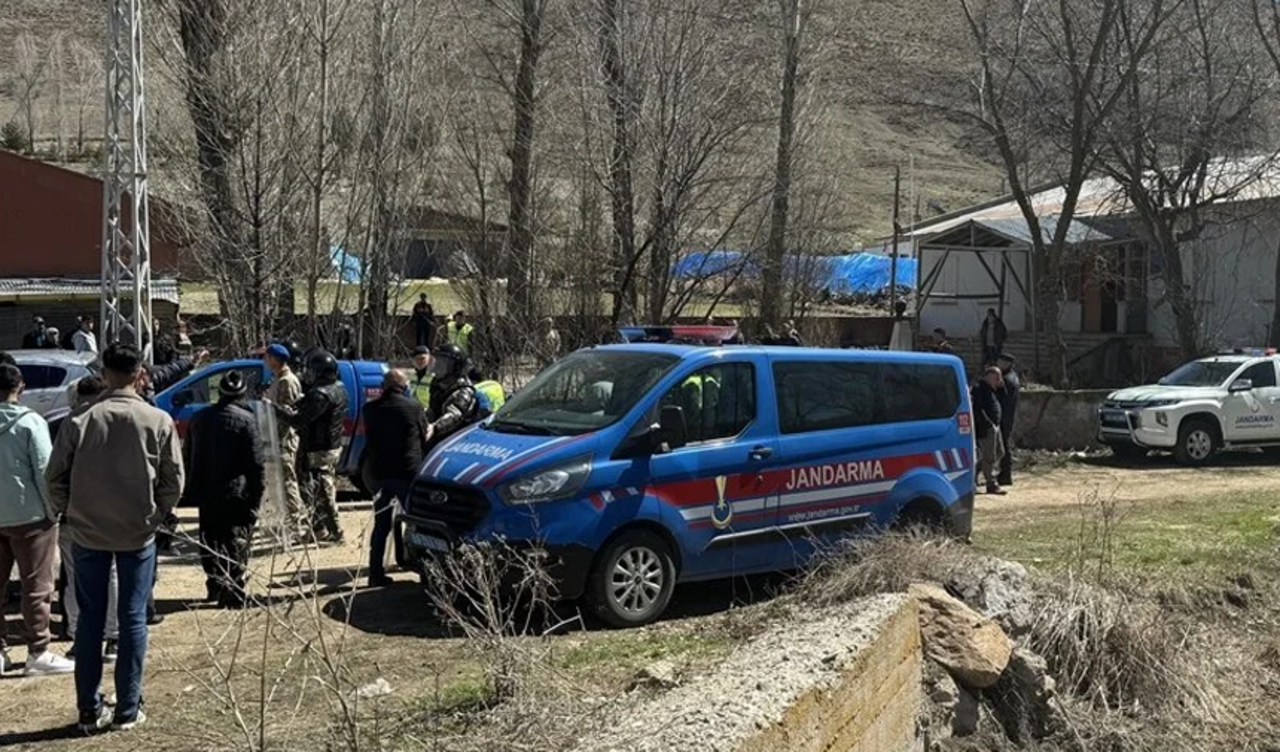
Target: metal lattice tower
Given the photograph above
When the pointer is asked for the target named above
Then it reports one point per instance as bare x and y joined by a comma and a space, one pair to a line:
126, 242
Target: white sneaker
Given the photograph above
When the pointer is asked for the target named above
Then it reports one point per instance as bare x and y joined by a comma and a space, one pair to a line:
138, 720
48, 663
5, 663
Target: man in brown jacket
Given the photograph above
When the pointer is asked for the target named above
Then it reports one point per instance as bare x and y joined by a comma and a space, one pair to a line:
116, 472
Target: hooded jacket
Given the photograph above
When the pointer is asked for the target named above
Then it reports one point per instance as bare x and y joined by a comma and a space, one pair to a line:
24, 454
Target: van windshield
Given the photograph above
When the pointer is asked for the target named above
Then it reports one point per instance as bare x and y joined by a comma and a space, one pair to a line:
583, 392
1202, 373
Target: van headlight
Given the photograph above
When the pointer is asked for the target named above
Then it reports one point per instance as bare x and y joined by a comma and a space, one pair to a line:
559, 482
1160, 403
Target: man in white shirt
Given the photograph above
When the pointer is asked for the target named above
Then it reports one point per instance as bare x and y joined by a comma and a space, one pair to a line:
84, 340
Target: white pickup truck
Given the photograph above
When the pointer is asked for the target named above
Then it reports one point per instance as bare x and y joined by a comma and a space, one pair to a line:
1228, 401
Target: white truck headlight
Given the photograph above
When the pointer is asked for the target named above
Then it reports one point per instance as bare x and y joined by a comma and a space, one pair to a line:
559, 482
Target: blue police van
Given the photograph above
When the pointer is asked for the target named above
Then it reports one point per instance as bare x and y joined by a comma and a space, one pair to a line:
635, 467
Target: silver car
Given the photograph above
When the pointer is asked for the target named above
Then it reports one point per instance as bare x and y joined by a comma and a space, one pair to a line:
49, 374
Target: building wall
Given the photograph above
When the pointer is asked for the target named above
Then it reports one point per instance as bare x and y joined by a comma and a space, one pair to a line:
1232, 270
51, 223
962, 273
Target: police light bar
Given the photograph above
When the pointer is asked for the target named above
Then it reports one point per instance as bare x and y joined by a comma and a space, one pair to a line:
700, 335
1256, 352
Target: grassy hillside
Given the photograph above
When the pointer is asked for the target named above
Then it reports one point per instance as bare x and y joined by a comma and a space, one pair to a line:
877, 55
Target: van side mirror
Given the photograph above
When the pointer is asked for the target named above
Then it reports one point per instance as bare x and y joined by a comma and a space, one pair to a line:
1241, 385
672, 430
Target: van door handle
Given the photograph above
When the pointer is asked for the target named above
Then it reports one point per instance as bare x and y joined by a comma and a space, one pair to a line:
760, 453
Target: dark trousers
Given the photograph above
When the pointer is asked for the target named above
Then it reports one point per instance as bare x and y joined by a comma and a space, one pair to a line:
384, 523
224, 554
423, 333
135, 570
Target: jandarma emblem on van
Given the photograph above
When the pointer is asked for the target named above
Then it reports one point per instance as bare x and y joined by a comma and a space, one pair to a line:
835, 475
483, 450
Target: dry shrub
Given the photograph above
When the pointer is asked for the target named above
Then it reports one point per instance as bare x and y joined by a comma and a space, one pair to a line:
883, 564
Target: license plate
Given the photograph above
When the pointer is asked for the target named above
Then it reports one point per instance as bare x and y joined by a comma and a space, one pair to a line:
429, 542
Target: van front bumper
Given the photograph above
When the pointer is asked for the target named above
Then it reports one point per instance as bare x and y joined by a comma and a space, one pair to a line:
960, 516
567, 566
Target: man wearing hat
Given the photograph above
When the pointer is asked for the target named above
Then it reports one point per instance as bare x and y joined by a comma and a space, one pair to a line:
1008, 395
225, 478
284, 392
420, 381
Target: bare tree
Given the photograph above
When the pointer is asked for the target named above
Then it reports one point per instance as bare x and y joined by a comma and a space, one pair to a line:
28, 81
1183, 139
1266, 21
86, 64
793, 17
1049, 77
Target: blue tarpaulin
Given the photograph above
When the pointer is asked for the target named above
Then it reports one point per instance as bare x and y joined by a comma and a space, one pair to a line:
346, 265
842, 275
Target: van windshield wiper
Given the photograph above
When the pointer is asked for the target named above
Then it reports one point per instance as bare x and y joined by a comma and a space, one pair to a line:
511, 426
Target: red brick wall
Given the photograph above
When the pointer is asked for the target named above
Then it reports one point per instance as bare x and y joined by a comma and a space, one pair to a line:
51, 223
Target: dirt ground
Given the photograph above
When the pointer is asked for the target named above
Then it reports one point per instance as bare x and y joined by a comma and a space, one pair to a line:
198, 670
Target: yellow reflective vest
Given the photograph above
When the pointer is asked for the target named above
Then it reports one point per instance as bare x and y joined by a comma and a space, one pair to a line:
421, 387
459, 335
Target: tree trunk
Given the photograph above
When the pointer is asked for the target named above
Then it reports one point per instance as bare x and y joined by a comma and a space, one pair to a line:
622, 195
519, 261
771, 280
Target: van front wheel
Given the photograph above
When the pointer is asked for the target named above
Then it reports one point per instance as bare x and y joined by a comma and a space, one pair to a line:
632, 580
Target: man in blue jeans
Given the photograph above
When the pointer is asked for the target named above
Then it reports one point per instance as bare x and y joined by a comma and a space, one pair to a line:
396, 440
115, 473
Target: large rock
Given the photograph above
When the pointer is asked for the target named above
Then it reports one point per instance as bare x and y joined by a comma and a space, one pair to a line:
1023, 700
1000, 589
971, 646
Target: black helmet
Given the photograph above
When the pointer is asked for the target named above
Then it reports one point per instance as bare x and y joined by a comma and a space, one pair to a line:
449, 361
322, 368
295, 351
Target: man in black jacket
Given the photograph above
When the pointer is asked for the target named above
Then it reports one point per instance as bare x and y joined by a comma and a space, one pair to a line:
225, 478
318, 419
1008, 413
987, 414
396, 436
453, 398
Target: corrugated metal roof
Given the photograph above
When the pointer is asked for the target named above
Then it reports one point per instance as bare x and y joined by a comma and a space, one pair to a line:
17, 288
1228, 181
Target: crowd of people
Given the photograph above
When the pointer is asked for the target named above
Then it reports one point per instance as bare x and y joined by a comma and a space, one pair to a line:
84, 339
92, 497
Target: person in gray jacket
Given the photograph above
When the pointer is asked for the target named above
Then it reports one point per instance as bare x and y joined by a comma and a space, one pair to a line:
116, 472
28, 535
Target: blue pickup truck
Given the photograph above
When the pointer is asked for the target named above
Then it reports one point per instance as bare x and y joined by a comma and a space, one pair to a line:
362, 378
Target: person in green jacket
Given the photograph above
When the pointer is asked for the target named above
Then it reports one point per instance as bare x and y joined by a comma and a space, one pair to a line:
28, 535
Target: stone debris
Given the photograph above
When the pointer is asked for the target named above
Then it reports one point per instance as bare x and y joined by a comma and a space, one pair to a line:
657, 675
752, 689
971, 646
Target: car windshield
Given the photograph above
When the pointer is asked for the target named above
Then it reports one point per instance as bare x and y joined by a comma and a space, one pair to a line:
583, 392
1202, 373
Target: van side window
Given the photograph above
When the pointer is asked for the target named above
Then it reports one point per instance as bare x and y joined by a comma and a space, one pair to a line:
821, 396
718, 401
918, 392
1262, 375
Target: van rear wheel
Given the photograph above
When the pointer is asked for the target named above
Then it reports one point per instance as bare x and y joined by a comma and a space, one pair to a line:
632, 579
